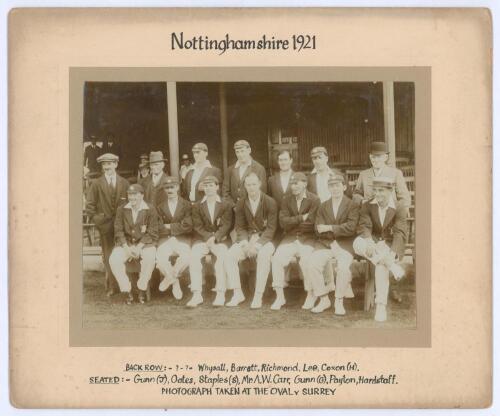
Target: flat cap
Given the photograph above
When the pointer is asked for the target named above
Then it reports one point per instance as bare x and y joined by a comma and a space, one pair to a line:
298, 176
200, 146
336, 177
378, 148
135, 189
209, 179
241, 143
383, 181
107, 157
170, 181
318, 150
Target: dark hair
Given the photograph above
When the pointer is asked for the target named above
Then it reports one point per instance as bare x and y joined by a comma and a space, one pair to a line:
252, 173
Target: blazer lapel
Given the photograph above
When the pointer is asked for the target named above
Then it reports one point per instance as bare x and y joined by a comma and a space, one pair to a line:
342, 208
389, 215
218, 207
127, 215
105, 190
374, 211
204, 210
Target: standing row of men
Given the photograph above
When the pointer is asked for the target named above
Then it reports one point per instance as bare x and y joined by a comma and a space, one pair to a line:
304, 217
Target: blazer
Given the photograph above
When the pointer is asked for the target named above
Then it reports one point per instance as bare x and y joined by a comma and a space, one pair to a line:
199, 194
90, 158
181, 223
344, 224
233, 189
393, 231
144, 230
364, 185
101, 203
154, 194
264, 223
203, 226
275, 189
291, 218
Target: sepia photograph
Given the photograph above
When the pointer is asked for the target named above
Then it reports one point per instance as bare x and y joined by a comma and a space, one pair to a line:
248, 205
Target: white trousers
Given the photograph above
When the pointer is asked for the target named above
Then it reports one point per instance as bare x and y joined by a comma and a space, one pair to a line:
168, 248
381, 250
117, 262
315, 267
236, 254
200, 250
282, 258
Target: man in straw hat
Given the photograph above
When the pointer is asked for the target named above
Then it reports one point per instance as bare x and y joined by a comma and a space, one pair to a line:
104, 196
136, 234
296, 216
382, 232
153, 185
233, 188
175, 230
212, 220
201, 169
255, 224
336, 221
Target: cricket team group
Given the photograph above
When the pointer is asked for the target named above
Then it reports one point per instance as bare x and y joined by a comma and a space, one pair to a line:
173, 224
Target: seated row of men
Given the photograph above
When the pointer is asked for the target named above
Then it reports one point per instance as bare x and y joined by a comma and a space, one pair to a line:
313, 226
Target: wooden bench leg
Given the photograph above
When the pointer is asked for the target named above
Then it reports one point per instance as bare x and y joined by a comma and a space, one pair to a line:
369, 286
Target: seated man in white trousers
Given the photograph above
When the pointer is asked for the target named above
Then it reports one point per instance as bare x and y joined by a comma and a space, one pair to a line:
175, 228
335, 224
382, 233
255, 224
136, 233
296, 216
212, 220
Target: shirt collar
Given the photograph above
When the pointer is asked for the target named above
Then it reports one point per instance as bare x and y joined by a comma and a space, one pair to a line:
391, 203
217, 198
238, 163
142, 206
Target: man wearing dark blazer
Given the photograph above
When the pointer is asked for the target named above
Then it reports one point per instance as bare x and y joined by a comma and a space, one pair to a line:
198, 171
136, 234
279, 184
255, 225
318, 179
233, 188
335, 224
92, 152
175, 228
212, 221
104, 196
382, 233
154, 183
296, 216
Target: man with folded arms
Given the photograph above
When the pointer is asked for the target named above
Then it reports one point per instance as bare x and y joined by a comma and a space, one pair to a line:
233, 188
212, 219
136, 233
175, 227
336, 222
255, 225
382, 232
296, 217
198, 171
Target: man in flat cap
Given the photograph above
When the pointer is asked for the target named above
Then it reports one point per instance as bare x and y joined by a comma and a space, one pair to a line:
318, 179
212, 220
186, 166
335, 224
136, 233
104, 196
279, 183
233, 188
175, 228
200, 170
382, 232
379, 155
255, 225
153, 185
296, 216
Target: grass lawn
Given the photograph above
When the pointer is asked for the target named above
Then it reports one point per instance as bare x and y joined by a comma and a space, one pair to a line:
164, 312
